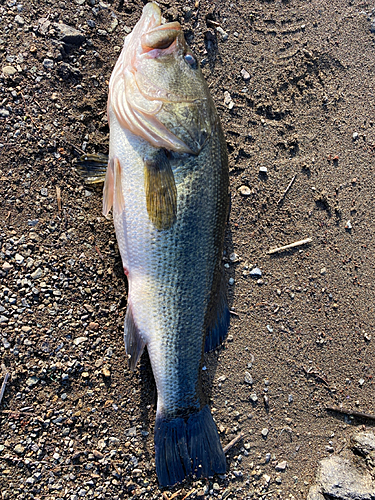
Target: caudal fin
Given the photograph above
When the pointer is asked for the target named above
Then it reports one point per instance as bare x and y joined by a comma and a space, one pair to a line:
187, 446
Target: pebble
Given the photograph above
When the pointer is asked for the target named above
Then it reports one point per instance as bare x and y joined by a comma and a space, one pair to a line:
106, 372
7, 267
19, 449
222, 33
68, 34
355, 136
38, 273
253, 397
9, 70
264, 432
248, 378
228, 102
19, 20
281, 466
231, 281
233, 257
19, 258
79, 340
32, 381
263, 170
48, 63
348, 225
245, 75
244, 190
4, 113
256, 272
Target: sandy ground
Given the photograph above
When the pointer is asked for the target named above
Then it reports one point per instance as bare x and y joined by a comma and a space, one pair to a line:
74, 422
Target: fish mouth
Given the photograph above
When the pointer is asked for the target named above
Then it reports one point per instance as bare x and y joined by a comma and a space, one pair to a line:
158, 38
136, 97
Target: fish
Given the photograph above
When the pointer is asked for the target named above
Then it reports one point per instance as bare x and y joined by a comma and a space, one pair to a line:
167, 183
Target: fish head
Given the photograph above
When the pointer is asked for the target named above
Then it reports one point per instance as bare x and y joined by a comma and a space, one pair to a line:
157, 89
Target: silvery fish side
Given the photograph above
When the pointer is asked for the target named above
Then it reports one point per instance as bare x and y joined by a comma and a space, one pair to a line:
167, 181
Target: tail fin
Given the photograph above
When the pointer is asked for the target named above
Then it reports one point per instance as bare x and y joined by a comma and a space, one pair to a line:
184, 447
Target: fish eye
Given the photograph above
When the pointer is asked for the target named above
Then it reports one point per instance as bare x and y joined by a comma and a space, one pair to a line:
191, 60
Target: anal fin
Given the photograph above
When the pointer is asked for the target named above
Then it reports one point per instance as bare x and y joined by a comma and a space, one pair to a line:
134, 343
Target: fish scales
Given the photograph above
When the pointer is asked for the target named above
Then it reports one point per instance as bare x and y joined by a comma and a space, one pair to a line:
167, 180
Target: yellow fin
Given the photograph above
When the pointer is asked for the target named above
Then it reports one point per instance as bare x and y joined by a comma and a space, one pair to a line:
161, 191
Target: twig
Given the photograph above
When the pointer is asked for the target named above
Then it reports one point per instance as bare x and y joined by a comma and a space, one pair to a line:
291, 245
316, 375
18, 412
80, 151
287, 189
190, 493
166, 497
233, 442
234, 313
98, 252
6, 377
213, 23
58, 196
351, 413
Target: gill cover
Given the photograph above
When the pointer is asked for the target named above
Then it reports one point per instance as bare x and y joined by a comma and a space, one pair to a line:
154, 92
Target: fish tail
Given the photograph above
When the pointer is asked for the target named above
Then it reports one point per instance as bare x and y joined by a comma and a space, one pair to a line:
187, 446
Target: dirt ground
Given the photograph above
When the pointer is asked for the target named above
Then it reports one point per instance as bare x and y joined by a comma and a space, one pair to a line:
74, 422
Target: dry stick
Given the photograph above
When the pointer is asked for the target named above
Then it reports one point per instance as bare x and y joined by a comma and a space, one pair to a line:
351, 413
190, 493
287, 189
6, 377
233, 442
58, 196
291, 245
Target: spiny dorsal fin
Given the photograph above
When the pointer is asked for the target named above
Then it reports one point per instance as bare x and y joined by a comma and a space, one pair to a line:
92, 168
161, 191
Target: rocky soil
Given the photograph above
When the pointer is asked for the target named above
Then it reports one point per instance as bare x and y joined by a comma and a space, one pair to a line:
294, 85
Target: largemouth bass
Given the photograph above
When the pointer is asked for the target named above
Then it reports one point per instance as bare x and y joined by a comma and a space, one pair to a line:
167, 181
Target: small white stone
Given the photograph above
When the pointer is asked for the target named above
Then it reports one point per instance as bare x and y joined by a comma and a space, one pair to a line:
245, 75
79, 340
281, 466
244, 190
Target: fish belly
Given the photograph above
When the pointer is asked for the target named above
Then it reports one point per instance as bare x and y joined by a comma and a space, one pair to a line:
170, 274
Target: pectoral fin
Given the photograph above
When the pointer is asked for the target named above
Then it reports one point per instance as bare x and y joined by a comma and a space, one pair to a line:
112, 191
161, 191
